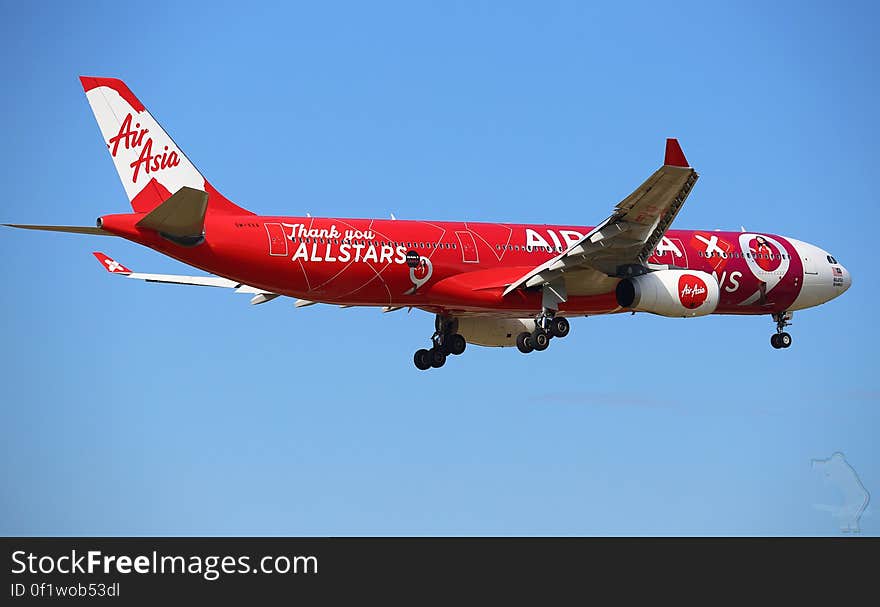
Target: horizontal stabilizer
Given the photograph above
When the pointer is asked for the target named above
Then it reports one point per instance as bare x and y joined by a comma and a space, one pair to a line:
114, 267
181, 216
69, 229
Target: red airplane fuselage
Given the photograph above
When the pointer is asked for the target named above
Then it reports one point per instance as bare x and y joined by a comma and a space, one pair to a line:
463, 267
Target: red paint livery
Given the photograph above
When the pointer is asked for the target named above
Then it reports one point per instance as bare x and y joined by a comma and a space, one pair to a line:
90, 82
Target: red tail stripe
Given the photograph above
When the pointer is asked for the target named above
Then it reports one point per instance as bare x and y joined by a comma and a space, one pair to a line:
91, 82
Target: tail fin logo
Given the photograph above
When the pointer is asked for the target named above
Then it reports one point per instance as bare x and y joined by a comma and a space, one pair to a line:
150, 165
136, 137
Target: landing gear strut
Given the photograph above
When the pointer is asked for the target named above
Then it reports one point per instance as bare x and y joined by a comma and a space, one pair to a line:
547, 325
781, 339
445, 341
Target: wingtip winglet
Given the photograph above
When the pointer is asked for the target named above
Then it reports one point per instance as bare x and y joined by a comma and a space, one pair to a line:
111, 265
674, 155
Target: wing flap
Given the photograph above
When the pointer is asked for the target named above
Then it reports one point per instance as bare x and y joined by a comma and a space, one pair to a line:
174, 279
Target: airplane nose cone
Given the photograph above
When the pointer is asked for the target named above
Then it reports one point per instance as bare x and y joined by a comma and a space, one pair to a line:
847, 279
823, 276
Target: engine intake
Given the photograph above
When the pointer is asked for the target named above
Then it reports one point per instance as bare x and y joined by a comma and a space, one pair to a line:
672, 293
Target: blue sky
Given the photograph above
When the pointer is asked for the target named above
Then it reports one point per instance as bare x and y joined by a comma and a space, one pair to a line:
152, 409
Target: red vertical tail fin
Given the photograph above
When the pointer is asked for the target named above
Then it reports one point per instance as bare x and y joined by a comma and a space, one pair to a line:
151, 166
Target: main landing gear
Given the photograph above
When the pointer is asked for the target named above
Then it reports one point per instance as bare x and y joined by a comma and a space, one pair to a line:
781, 339
445, 341
547, 325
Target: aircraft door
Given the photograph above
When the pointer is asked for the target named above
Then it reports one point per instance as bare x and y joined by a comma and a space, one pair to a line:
468, 247
810, 262
277, 239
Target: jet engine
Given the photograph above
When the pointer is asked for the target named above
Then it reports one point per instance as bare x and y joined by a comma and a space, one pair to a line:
494, 332
672, 293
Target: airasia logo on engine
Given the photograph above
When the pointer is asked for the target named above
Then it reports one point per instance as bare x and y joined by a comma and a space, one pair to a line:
692, 291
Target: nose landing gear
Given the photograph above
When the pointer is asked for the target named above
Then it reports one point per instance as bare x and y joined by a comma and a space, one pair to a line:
781, 339
445, 341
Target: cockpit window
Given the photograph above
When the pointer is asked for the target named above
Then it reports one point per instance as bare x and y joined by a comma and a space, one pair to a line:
831, 259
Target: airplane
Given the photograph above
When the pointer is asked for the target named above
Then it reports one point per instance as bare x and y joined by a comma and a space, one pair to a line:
487, 284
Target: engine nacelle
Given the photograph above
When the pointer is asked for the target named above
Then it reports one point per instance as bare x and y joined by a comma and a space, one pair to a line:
673, 293
493, 332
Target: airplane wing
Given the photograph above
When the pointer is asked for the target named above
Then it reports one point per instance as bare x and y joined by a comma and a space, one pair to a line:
114, 267
626, 239
259, 295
